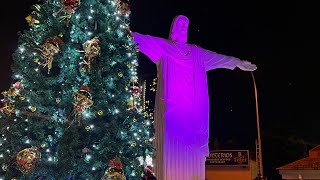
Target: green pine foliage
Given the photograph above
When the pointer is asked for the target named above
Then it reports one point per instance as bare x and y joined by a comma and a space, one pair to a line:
39, 110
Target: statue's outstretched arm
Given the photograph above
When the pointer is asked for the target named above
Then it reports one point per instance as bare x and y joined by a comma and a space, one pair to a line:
149, 45
213, 60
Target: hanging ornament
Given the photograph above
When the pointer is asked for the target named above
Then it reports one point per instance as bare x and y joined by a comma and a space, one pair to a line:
33, 109
49, 48
133, 144
87, 128
14, 90
123, 7
32, 21
4, 167
100, 112
83, 69
114, 170
8, 107
129, 66
68, 9
27, 158
17, 85
36, 60
136, 90
71, 3
81, 101
58, 100
85, 150
131, 105
120, 74
91, 49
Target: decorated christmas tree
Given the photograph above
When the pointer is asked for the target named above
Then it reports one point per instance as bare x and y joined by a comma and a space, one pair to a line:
73, 110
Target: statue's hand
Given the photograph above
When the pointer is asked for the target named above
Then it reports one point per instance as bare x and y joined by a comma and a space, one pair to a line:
247, 66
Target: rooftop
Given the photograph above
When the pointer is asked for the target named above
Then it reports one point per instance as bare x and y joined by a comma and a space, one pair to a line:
312, 162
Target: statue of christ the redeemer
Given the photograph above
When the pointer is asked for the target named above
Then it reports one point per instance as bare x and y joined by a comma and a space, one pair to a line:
182, 102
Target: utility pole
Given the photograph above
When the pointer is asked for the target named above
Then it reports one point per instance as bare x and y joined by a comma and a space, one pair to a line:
258, 144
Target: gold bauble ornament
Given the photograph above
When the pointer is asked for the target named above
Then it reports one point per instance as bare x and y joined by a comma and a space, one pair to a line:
100, 113
120, 74
36, 60
4, 93
126, 88
133, 143
4, 167
22, 98
58, 100
83, 70
129, 66
33, 109
60, 35
43, 145
87, 128
134, 120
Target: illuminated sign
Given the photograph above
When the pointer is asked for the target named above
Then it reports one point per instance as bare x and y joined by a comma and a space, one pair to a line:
228, 158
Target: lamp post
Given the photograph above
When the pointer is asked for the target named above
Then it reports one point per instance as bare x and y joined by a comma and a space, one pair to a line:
259, 151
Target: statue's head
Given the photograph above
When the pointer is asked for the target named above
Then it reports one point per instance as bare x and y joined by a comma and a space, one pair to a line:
179, 29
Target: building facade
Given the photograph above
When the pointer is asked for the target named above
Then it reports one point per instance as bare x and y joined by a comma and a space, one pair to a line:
230, 165
303, 169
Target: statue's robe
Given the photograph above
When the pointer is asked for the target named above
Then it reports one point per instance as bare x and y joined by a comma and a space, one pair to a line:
182, 106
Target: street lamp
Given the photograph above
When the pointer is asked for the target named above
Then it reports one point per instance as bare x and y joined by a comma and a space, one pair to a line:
259, 149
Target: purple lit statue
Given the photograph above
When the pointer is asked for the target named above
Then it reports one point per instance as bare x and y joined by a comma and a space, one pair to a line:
182, 102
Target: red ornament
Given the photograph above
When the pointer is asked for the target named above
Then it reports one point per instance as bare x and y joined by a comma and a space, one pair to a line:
114, 170
85, 150
117, 164
84, 88
136, 89
17, 85
71, 3
69, 7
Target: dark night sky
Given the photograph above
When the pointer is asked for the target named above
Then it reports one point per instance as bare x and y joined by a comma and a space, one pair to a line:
272, 34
